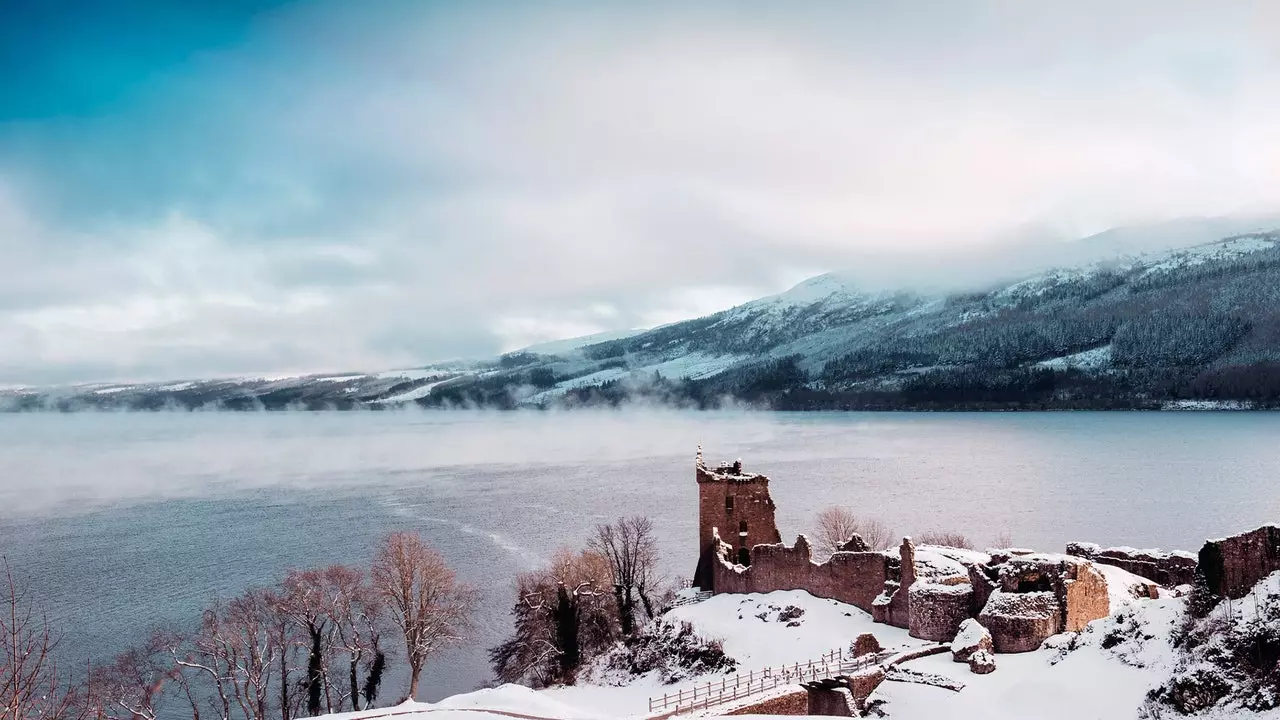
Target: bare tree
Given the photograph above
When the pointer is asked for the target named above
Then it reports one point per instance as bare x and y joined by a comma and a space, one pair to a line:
563, 618
237, 655
632, 552
306, 600
355, 613
425, 600
31, 685
837, 524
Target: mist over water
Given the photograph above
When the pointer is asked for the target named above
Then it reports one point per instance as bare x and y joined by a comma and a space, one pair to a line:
121, 521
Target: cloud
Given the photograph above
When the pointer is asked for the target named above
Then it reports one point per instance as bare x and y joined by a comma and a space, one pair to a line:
387, 183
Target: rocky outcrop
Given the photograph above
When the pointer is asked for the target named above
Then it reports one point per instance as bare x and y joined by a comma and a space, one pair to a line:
972, 637
855, 544
1232, 566
865, 644
1169, 569
982, 663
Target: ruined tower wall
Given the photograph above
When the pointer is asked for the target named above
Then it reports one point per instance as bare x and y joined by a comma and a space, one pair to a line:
728, 498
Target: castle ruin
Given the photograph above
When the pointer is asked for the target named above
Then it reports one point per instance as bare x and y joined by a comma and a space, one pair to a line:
1021, 597
732, 504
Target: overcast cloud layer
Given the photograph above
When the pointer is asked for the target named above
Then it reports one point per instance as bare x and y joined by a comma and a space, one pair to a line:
362, 185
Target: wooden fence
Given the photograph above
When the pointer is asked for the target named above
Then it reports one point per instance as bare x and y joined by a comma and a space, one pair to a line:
742, 685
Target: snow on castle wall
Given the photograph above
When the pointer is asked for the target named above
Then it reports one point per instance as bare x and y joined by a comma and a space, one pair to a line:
851, 577
1169, 569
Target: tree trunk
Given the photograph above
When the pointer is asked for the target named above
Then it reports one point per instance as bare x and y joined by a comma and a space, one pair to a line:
648, 604
566, 619
284, 684
625, 616
355, 683
315, 675
374, 679
414, 671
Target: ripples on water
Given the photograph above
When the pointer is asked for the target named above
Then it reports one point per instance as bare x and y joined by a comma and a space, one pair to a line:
120, 521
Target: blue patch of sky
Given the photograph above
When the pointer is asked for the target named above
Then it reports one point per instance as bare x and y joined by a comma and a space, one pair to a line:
61, 58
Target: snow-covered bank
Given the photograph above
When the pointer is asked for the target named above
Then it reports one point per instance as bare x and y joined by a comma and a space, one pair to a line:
1104, 672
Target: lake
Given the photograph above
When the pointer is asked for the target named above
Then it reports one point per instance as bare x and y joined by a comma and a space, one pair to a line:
120, 521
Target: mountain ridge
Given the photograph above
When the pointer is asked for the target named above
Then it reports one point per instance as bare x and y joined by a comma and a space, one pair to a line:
1199, 323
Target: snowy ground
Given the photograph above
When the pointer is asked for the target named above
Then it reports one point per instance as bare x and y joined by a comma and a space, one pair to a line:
1103, 672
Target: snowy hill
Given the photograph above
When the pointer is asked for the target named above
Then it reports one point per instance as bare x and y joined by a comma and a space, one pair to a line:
1199, 323
1193, 327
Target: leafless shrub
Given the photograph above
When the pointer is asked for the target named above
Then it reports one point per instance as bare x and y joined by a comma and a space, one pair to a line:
945, 538
1003, 540
836, 524
131, 686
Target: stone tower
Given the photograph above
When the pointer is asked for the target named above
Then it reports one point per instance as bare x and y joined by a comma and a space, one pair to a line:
737, 505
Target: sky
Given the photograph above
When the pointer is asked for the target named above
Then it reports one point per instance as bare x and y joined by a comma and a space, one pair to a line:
206, 188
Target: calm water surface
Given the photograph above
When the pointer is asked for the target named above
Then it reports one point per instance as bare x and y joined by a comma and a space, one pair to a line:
121, 521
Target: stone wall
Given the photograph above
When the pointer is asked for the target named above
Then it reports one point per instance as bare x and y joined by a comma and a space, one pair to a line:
892, 607
863, 683
1232, 566
854, 578
1078, 588
1169, 569
1020, 622
792, 703
935, 611
1087, 598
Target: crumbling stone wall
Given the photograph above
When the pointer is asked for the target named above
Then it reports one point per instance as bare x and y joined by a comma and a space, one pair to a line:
854, 578
1232, 566
982, 582
831, 702
1086, 597
935, 611
1169, 569
892, 607
1020, 622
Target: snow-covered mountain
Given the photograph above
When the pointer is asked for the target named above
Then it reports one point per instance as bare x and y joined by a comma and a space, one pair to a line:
1201, 323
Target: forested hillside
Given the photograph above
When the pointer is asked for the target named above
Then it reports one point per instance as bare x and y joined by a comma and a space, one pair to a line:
1193, 327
